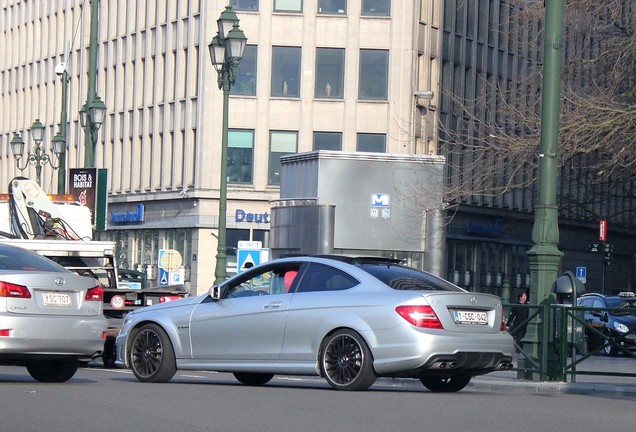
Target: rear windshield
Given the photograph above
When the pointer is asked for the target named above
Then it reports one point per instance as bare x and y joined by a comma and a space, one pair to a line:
14, 258
407, 278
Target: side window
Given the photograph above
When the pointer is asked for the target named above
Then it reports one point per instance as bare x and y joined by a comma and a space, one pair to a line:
598, 304
276, 279
319, 277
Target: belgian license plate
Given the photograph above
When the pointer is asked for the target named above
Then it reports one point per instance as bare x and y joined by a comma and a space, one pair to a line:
57, 299
470, 317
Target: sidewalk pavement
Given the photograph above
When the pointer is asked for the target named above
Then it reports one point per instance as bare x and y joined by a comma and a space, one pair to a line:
508, 382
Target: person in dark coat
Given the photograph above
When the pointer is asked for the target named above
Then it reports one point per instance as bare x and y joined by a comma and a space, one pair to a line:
517, 316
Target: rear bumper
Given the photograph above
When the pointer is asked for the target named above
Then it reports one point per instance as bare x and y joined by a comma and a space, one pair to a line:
443, 352
52, 335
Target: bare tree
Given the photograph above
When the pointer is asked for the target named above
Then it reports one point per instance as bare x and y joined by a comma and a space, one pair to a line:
492, 139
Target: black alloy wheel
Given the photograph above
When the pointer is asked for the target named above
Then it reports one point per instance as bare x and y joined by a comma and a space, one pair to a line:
346, 362
152, 356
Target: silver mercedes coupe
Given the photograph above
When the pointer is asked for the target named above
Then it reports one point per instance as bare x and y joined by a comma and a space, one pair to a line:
347, 319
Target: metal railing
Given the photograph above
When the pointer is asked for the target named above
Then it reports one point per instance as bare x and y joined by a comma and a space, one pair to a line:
562, 336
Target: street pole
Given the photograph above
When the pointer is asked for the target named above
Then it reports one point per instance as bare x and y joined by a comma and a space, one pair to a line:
221, 252
226, 51
90, 134
544, 257
61, 174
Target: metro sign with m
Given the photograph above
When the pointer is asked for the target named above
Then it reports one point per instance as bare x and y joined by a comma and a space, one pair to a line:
380, 200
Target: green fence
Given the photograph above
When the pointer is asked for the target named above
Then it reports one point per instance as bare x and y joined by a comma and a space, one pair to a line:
562, 340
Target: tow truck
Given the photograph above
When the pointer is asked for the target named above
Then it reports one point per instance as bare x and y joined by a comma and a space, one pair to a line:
59, 228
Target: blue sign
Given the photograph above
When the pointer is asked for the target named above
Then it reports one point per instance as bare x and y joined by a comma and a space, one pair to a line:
581, 272
380, 200
135, 216
164, 276
248, 258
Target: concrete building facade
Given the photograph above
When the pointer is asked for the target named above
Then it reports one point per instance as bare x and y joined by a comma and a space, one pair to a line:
353, 75
333, 75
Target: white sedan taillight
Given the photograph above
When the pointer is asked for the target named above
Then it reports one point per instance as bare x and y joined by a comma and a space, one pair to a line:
14, 291
95, 294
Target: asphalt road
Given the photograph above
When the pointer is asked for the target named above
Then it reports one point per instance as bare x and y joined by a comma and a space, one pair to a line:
112, 400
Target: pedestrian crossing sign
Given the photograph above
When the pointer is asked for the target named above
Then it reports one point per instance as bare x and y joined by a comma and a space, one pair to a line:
248, 258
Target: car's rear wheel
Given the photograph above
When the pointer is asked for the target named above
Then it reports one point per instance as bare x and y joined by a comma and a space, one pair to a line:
346, 361
110, 353
53, 371
253, 379
152, 356
438, 384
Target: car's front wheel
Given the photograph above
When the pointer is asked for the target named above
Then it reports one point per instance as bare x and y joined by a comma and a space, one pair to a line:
152, 356
438, 384
346, 362
53, 371
253, 379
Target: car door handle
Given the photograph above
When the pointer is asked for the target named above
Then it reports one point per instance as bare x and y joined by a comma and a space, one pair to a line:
273, 305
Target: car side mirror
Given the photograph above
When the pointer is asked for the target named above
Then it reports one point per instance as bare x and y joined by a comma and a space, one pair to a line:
597, 314
216, 292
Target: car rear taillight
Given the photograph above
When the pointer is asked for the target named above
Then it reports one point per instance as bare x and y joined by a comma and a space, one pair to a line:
165, 299
420, 316
14, 291
95, 294
502, 326
5, 332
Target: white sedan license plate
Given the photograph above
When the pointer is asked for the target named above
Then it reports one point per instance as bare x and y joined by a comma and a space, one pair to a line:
57, 299
470, 317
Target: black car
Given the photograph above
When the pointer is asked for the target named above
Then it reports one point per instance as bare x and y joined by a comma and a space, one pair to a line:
616, 318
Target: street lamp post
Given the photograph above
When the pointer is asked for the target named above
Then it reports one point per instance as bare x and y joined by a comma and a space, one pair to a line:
61, 174
544, 257
93, 112
226, 52
39, 157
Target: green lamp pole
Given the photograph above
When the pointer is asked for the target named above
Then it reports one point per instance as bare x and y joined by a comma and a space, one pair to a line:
93, 112
544, 257
61, 174
226, 52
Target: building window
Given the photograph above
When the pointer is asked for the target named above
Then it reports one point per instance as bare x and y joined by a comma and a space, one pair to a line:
288, 5
369, 142
286, 71
281, 143
329, 73
239, 156
376, 7
332, 7
246, 73
244, 5
327, 141
374, 74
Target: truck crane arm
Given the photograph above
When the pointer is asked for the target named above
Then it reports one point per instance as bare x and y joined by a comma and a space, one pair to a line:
33, 214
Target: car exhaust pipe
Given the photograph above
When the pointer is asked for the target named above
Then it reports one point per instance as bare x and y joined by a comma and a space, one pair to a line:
443, 365
452, 365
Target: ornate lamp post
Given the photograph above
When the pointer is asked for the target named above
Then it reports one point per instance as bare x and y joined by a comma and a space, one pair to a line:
39, 157
226, 52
